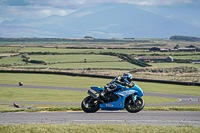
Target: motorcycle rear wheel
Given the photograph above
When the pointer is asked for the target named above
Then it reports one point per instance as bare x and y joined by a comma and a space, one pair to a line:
134, 107
90, 105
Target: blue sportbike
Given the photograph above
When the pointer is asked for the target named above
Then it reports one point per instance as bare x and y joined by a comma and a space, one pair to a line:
123, 97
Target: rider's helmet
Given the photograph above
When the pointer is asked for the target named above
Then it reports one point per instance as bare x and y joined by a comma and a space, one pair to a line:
127, 76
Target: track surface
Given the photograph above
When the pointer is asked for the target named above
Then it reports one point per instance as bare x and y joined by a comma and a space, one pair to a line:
163, 118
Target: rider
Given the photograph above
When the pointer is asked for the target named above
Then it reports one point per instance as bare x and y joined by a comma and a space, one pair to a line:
124, 81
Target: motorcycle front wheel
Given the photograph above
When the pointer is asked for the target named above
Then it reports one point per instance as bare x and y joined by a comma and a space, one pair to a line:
90, 105
134, 107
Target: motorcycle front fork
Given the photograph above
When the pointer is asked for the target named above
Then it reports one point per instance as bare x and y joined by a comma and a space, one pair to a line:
134, 97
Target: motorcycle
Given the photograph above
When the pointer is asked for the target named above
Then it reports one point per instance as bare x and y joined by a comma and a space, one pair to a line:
123, 97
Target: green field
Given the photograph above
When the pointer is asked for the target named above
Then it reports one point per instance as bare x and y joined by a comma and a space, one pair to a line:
74, 66
12, 61
98, 61
70, 56
9, 49
77, 128
70, 61
52, 80
40, 95
87, 82
126, 51
73, 58
56, 50
65, 50
191, 57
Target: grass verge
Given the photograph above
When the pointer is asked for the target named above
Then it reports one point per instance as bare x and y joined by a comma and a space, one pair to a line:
78, 108
73, 128
173, 108
42, 109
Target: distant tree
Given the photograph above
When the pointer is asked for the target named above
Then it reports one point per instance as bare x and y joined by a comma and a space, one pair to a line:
88, 37
184, 38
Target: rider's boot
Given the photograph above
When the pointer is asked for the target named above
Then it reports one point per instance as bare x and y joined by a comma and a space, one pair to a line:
102, 94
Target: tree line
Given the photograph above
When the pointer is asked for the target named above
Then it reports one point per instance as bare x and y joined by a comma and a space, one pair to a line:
185, 38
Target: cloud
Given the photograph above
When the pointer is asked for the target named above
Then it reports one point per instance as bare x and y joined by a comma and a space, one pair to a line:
35, 9
155, 2
87, 3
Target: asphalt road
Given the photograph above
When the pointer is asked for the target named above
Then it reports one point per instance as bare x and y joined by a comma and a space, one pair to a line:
163, 118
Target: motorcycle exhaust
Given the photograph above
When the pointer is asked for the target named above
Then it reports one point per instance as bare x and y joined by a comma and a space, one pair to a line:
95, 96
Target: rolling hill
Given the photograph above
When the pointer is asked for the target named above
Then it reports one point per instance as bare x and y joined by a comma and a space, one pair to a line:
105, 21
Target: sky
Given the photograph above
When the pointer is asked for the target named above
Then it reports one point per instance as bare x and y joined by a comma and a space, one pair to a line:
37, 9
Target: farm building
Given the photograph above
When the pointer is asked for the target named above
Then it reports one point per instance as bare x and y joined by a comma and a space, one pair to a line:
154, 49
177, 46
155, 58
191, 46
164, 50
186, 49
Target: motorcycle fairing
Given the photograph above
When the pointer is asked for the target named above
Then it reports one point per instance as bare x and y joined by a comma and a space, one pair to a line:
138, 90
119, 104
125, 92
97, 89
